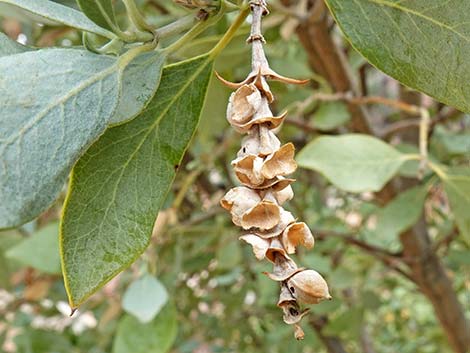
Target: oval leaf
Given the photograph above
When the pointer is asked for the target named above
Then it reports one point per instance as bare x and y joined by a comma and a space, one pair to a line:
119, 185
156, 336
144, 298
50, 12
50, 115
422, 43
352, 162
99, 11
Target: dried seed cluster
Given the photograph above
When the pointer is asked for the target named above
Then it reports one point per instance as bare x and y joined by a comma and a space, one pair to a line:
261, 166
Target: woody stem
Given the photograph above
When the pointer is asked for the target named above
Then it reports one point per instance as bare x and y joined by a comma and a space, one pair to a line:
258, 59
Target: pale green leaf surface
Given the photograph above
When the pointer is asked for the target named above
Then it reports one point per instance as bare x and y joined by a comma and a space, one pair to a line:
422, 43
49, 12
330, 115
144, 298
119, 185
457, 187
156, 336
140, 80
352, 162
99, 11
401, 213
55, 103
9, 47
40, 250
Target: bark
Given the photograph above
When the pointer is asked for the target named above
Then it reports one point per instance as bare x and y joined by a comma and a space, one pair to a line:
430, 276
428, 272
332, 343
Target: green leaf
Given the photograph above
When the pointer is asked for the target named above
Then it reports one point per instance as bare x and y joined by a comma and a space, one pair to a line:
40, 251
330, 115
422, 43
457, 187
119, 185
156, 336
99, 11
49, 12
52, 113
140, 80
145, 298
9, 47
447, 144
401, 213
352, 162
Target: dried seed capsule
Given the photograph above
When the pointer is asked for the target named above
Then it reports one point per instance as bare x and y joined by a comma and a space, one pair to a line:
308, 287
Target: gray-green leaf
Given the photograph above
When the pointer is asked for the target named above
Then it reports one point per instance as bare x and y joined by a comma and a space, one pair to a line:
51, 13
55, 103
352, 162
99, 11
422, 43
401, 213
40, 251
330, 115
10, 47
144, 298
457, 186
156, 336
119, 185
140, 80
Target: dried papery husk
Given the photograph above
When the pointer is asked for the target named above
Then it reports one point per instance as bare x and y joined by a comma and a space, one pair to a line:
297, 234
268, 141
248, 169
292, 313
309, 287
280, 163
259, 245
264, 72
285, 296
264, 215
284, 195
276, 184
243, 105
286, 218
299, 334
284, 267
239, 201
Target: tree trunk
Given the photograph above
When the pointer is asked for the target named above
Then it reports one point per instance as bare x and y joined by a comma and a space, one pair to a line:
428, 272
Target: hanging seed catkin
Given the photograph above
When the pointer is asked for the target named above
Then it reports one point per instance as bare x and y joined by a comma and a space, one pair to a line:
262, 166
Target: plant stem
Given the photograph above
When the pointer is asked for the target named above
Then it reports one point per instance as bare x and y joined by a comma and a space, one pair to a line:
230, 32
176, 27
196, 30
136, 17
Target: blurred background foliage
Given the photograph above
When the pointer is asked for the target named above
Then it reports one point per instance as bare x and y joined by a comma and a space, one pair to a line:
197, 288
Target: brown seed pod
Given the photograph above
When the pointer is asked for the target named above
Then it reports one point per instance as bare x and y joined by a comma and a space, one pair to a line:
308, 287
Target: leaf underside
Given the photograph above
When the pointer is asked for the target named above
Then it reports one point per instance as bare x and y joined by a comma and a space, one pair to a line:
119, 185
424, 44
52, 113
49, 12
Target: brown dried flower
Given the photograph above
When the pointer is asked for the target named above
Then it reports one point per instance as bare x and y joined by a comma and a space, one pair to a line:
262, 165
309, 287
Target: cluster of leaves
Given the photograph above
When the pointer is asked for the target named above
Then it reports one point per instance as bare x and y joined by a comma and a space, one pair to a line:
194, 269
